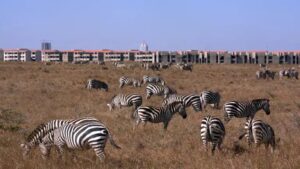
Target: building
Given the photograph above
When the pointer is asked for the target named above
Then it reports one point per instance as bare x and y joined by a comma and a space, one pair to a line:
46, 46
1, 54
36, 55
22, 55
144, 47
51, 56
141, 56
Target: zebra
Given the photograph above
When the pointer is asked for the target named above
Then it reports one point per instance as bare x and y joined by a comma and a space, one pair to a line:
210, 97
155, 89
78, 136
35, 137
186, 100
124, 80
259, 132
157, 115
260, 74
212, 130
125, 100
96, 84
245, 109
153, 79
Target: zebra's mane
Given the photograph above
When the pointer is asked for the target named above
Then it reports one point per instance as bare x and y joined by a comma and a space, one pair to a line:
39, 130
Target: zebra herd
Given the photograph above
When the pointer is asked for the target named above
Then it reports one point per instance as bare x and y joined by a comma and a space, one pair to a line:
89, 132
266, 73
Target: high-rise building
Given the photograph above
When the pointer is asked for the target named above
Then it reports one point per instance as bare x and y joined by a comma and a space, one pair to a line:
144, 47
46, 46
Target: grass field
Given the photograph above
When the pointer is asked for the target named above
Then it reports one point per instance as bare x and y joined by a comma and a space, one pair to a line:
32, 93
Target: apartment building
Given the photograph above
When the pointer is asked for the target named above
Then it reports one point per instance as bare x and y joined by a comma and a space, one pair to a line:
22, 55
144, 56
51, 56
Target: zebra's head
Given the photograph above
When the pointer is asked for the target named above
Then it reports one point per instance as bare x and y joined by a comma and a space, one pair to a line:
266, 106
180, 108
145, 79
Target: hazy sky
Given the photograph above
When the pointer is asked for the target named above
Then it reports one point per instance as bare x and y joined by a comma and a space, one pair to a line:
163, 24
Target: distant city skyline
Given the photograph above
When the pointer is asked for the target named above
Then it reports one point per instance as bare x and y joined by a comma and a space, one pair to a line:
164, 25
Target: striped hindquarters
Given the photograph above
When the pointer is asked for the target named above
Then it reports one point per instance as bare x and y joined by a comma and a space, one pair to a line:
259, 132
211, 98
212, 130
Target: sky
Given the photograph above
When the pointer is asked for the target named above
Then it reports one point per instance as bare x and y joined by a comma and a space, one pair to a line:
162, 24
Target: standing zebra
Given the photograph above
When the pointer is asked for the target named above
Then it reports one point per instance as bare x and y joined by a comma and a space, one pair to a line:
125, 100
211, 98
79, 136
157, 115
212, 130
259, 132
186, 100
154, 89
153, 79
96, 84
245, 109
43, 129
124, 80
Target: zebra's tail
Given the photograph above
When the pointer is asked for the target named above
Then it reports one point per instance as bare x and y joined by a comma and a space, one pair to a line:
112, 141
242, 136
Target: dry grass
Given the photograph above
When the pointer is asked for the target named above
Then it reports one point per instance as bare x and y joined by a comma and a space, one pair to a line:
37, 93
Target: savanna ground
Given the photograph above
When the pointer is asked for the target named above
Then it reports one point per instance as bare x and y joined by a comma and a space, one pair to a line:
32, 93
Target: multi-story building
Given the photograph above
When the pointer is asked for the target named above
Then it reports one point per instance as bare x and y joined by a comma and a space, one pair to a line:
141, 56
22, 55
51, 56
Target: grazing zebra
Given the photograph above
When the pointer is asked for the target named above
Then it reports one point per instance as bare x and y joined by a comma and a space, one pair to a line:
36, 136
259, 132
212, 130
245, 109
211, 98
78, 136
129, 81
186, 100
153, 79
260, 74
157, 115
125, 100
154, 89
96, 84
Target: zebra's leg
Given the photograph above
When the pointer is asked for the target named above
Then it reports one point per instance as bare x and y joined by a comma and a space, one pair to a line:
136, 123
213, 148
166, 123
121, 85
99, 150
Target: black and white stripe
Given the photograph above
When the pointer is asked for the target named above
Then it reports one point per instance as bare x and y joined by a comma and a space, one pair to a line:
245, 109
79, 136
186, 100
259, 132
125, 100
158, 115
124, 80
96, 84
210, 97
212, 130
36, 136
155, 89
152, 79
